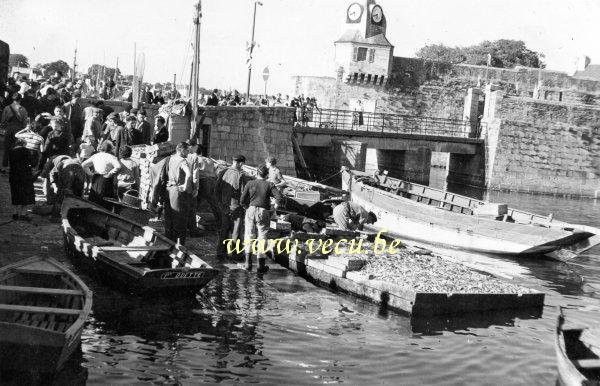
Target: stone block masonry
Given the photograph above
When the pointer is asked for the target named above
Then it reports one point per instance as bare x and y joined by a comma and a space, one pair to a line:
543, 147
255, 132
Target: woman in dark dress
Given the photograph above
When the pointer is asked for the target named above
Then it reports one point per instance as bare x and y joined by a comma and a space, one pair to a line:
20, 178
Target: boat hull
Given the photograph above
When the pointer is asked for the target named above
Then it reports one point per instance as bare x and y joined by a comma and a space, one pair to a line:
31, 339
413, 221
165, 280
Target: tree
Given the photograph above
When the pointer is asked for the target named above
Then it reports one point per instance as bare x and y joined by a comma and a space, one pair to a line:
505, 53
103, 71
59, 66
18, 60
441, 53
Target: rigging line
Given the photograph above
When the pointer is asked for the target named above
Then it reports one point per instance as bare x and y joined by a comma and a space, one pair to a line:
187, 53
328, 178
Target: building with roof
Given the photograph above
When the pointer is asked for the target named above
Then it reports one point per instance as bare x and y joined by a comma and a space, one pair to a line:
363, 55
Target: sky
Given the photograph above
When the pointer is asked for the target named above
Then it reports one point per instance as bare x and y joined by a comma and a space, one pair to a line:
294, 37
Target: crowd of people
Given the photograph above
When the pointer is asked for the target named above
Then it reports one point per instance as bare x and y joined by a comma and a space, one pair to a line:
76, 150
303, 106
49, 133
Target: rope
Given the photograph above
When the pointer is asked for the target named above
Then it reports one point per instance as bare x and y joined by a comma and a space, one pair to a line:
330, 177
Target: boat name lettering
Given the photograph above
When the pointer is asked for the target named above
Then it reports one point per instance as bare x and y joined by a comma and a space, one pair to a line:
181, 275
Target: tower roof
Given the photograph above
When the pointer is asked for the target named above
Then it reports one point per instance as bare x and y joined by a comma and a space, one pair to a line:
354, 36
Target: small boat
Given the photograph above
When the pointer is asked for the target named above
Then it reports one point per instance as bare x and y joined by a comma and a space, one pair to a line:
138, 257
43, 308
577, 354
435, 217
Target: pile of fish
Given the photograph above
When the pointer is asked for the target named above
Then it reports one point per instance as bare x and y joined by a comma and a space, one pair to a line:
430, 273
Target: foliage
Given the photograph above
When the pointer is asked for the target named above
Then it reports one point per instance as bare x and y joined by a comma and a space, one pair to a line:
59, 66
505, 53
18, 60
105, 72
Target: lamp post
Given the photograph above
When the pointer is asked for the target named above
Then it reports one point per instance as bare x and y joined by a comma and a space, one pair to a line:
251, 48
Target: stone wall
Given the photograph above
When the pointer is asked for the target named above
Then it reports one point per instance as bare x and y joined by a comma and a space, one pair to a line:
543, 147
255, 132
441, 101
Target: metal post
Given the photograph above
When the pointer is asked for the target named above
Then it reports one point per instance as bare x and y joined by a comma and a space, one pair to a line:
251, 49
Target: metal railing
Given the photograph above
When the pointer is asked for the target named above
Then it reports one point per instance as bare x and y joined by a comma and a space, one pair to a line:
346, 120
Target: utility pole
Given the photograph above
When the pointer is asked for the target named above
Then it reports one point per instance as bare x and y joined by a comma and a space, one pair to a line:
251, 48
74, 65
174, 82
196, 65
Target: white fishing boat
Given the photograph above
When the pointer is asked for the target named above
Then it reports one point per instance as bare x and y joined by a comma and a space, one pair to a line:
435, 217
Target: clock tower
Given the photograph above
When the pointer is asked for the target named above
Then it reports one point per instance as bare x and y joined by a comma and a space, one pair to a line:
363, 55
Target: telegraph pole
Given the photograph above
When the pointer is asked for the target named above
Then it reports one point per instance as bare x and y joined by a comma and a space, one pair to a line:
251, 48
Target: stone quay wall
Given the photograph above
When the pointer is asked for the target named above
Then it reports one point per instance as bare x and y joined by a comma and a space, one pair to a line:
542, 147
255, 132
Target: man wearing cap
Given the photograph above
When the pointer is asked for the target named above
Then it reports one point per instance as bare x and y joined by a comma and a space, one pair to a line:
228, 191
74, 112
256, 198
193, 163
144, 127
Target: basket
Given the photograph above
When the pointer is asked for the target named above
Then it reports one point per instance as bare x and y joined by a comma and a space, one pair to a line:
131, 197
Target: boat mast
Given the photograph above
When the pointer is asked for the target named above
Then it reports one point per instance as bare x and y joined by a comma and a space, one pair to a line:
74, 65
196, 65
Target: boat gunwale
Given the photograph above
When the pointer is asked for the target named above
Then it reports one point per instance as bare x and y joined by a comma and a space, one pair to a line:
84, 204
86, 293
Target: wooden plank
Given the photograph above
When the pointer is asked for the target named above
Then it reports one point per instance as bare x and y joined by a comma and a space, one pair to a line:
39, 267
39, 290
135, 248
39, 310
587, 363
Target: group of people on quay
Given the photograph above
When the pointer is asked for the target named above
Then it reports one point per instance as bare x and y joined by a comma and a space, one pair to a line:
87, 150
304, 106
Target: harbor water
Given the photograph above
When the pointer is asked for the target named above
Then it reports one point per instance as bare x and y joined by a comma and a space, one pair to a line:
279, 329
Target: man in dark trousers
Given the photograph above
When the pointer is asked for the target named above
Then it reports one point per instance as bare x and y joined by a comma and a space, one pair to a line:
256, 198
228, 191
74, 113
178, 177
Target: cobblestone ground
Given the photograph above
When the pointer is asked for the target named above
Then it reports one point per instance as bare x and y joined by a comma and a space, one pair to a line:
20, 239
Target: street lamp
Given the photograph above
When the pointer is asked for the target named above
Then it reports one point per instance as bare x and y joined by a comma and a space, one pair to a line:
251, 48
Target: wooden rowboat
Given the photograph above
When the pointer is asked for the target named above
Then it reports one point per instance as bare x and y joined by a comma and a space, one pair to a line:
43, 308
135, 256
577, 354
435, 217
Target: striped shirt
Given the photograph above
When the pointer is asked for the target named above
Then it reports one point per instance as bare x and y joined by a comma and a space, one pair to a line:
33, 141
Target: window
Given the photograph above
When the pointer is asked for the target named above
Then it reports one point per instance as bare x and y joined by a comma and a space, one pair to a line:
360, 54
371, 55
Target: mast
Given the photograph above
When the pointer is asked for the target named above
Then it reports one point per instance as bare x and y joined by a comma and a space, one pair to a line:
74, 65
251, 48
196, 64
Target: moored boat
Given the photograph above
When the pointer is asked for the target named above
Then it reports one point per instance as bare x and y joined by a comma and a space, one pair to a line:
136, 256
435, 217
577, 354
43, 308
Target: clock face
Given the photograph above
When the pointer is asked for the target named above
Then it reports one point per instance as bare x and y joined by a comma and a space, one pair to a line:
354, 12
377, 14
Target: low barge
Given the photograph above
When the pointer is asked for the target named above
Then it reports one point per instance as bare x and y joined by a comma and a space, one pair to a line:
435, 217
